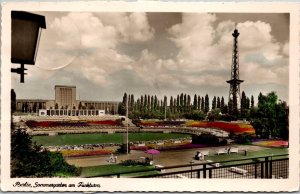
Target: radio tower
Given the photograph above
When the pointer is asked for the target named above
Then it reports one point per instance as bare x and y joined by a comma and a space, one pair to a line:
234, 92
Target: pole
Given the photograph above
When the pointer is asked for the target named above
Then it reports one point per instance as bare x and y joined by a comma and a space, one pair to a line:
191, 162
22, 72
127, 125
165, 111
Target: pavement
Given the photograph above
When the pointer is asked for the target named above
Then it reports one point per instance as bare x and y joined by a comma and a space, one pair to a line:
165, 158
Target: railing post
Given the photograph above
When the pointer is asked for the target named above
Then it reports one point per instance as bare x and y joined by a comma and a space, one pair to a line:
210, 173
267, 167
262, 170
270, 171
198, 174
204, 170
255, 169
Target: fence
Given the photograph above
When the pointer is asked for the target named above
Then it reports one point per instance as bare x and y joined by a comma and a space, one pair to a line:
267, 167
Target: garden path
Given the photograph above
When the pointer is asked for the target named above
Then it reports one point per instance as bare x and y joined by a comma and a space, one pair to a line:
165, 158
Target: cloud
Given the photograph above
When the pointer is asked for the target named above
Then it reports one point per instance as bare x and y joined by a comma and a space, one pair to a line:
130, 26
88, 42
203, 47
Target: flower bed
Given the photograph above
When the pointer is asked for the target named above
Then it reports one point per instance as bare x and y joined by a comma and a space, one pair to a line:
106, 122
169, 146
237, 128
271, 143
34, 124
141, 148
80, 153
161, 123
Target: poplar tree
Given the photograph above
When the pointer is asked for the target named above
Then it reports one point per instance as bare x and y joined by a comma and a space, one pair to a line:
214, 103
252, 101
171, 104
202, 104
188, 104
218, 102
195, 103
206, 104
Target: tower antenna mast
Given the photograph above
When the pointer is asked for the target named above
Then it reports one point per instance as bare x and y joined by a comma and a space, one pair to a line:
234, 91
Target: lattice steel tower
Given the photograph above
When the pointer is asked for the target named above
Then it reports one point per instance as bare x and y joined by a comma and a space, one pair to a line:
234, 92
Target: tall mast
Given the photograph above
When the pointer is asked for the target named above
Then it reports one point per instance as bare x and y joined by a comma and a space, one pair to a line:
234, 91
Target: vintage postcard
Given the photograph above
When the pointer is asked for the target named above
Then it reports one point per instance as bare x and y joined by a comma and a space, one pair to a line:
149, 96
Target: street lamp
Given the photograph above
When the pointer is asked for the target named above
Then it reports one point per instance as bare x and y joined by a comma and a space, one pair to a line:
25, 35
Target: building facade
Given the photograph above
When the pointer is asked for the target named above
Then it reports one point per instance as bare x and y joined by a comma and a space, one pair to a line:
65, 99
69, 112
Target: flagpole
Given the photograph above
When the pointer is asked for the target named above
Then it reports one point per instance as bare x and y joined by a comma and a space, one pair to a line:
127, 125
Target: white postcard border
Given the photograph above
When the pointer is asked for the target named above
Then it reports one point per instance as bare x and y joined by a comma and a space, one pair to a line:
127, 184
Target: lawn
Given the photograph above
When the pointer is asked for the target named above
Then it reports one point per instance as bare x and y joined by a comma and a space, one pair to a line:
250, 154
94, 138
116, 168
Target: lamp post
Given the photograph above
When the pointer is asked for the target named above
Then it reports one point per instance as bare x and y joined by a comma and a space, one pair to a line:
25, 35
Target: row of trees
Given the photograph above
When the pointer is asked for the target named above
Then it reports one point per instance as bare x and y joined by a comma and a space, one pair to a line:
269, 118
180, 106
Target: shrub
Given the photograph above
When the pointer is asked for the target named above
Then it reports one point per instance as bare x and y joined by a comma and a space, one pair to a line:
243, 138
30, 160
130, 163
208, 139
123, 149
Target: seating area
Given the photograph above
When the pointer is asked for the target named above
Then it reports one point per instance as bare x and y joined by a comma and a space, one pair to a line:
234, 150
227, 150
222, 151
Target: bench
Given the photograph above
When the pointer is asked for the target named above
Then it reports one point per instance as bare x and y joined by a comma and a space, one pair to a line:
205, 152
222, 151
234, 150
159, 168
238, 170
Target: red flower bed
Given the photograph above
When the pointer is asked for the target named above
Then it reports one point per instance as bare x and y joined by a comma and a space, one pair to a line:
33, 124
105, 122
229, 127
41, 124
141, 148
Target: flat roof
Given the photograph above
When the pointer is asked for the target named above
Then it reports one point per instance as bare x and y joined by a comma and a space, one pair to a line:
65, 86
33, 99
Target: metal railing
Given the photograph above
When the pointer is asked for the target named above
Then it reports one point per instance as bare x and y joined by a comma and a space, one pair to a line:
267, 167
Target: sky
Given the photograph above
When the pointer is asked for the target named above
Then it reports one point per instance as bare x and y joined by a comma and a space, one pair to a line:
107, 54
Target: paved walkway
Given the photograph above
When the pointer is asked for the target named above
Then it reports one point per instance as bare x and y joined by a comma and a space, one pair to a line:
165, 158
